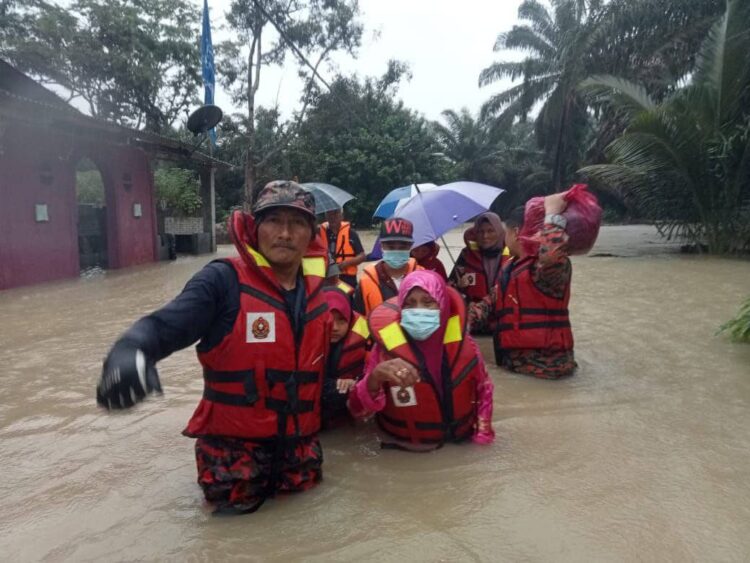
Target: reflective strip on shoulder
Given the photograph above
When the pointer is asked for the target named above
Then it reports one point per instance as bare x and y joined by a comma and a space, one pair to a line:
452, 330
260, 260
345, 287
314, 267
506, 251
360, 327
392, 336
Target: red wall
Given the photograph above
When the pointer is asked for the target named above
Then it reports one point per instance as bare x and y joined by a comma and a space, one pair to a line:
32, 252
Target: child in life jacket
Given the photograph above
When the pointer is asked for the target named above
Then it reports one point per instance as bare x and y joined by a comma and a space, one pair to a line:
346, 356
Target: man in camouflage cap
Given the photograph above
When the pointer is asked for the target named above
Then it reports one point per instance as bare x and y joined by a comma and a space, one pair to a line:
261, 320
285, 193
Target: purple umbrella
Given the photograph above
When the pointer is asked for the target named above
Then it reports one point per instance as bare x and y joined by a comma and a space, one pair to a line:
436, 212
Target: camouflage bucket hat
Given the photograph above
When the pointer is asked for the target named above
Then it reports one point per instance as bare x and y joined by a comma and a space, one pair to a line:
285, 193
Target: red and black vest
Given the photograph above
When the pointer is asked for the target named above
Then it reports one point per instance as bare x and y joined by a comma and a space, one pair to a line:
351, 363
428, 417
262, 381
472, 264
528, 318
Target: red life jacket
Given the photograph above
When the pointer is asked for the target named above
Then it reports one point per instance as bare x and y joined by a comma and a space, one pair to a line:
528, 318
434, 419
261, 381
472, 263
351, 363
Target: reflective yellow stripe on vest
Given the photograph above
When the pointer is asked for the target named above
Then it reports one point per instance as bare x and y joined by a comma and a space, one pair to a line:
360, 327
392, 336
345, 287
314, 267
453, 330
260, 260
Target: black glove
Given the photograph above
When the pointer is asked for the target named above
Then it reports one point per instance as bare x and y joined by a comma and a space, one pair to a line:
127, 377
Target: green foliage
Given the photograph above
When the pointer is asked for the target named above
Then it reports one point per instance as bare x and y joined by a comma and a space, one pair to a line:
495, 153
178, 190
360, 138
739, 327
569, 40
316, 29
89, 187
132, 61
687, 160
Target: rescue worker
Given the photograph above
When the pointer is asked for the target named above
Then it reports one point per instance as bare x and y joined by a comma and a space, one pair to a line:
380, 281
262, 326
425, 377
426, 256
533, 334
478, 267
344, 246
346, 358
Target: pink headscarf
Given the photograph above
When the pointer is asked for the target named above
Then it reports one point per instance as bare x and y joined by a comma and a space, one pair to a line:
337, 301
432, 348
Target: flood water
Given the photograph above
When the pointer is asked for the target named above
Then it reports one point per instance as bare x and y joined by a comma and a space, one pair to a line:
643, 455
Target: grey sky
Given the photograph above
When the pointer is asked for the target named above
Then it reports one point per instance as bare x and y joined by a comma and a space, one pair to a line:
445, 42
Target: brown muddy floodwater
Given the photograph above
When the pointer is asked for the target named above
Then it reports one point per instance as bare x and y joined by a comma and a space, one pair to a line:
643, 455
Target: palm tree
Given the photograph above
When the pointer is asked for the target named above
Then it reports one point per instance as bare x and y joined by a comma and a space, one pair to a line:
468, 144
493, 152
570, 40
687, 159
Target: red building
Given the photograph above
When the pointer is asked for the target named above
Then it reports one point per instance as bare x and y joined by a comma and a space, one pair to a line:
42, 140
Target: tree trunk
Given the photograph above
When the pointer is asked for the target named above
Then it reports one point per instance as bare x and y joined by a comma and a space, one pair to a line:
557, 172
253, 81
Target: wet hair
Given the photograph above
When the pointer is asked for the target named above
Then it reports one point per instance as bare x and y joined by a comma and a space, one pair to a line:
515, 217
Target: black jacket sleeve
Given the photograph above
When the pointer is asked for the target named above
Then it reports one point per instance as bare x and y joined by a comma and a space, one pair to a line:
206, 310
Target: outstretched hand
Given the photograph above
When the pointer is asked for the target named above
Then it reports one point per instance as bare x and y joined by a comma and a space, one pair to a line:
127, 377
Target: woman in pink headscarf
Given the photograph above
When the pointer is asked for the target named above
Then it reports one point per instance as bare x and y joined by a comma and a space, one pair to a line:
425, 379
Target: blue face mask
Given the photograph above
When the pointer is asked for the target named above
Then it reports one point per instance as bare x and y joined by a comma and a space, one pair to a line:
396, 259
420, 323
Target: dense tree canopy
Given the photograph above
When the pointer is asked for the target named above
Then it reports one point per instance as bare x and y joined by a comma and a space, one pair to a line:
135, 62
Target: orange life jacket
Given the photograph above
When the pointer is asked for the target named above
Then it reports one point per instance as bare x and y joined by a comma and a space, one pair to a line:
528, 318
375, 286
263, 381
344, 248
428, 417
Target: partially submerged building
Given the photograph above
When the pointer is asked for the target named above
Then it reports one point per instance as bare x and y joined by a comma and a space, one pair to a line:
44, 234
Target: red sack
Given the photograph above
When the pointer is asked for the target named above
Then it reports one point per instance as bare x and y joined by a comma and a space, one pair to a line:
584, 219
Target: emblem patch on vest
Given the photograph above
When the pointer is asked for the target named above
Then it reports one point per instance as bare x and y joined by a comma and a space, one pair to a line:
403, 396
261, 327
471, 279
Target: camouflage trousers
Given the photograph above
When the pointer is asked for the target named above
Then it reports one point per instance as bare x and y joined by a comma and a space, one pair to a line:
238, 475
